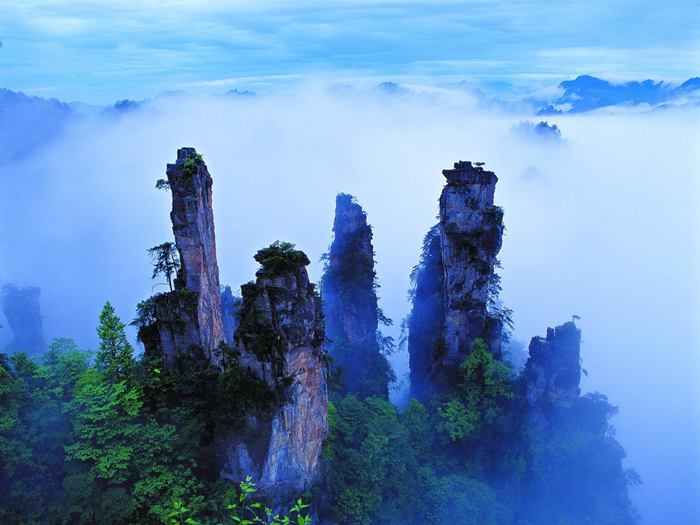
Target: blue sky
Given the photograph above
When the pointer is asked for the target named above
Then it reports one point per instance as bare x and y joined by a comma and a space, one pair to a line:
99, 51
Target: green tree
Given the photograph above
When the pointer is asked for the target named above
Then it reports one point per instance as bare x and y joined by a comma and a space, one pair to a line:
482, 393
115, 357
166, 261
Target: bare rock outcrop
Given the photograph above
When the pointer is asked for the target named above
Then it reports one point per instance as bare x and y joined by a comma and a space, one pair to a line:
22, 310
553, 370
472, 230
189, 318
453, 284
350, 304
280, 340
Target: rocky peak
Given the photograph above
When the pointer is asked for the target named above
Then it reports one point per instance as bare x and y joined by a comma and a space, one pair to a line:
188, 320
553, 370
23, 313
193, 225
454, 283
350, 303
280, 340
471, 232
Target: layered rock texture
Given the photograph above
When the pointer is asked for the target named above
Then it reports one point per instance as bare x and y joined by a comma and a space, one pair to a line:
23, 313
456, 270
263, 354
280, 340
350, 304
189, 318
553, 370
472, 229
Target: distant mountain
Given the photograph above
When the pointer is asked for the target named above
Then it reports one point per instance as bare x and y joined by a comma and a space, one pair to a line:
28, 122
586, 93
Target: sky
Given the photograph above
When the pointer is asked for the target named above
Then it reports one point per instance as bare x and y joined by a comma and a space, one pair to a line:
101, 51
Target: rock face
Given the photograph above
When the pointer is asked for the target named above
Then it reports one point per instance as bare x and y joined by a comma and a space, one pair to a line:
280, 340
230, 305
190, 316
427, 319
350, 303
23, 313
553, 370
457, 269
472, 230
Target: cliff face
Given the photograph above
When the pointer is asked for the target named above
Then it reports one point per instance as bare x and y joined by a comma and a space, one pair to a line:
350, 304
268, 378
553, 370
471, 239
23, 313
427, 319
457, 272
280, 341
230, 306
190, 317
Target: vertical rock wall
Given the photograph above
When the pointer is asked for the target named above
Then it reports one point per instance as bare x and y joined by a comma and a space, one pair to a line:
350, 303
23, 313
280, 339
190, 316
553, 370
427, 318
471, 239
456, 270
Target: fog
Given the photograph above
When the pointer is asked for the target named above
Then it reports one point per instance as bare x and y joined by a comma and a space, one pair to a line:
602, 223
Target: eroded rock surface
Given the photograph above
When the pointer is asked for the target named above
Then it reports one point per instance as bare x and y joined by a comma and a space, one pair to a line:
453, 284
470, 240
280, 339
350, 304
553, 370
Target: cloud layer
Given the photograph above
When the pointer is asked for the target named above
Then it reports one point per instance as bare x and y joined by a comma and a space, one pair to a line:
602, 224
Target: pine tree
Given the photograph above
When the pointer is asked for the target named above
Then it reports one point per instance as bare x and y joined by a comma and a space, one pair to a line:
115, 357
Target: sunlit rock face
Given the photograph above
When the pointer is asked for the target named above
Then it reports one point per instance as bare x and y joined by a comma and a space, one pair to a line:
22, 310
456, 271
553, 370
280, 339
350, 304
190, 317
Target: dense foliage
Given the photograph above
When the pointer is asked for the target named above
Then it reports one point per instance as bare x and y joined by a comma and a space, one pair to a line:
107, 438
473, 456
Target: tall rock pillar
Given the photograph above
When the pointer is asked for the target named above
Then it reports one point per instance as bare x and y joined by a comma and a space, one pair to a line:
189, 318
472, 229
350, 303
553, 370
280, 341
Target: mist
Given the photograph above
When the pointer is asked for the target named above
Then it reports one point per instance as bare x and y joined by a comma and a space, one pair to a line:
602, 224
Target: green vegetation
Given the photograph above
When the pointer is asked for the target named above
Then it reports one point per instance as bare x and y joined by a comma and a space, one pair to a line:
189, 167
280, 258
166, 261
118, 440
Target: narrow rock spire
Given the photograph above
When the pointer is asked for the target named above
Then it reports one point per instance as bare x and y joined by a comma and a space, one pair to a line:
350, 304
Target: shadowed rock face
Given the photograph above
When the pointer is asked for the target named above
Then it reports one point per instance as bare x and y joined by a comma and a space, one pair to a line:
350, 303
453, 280
470, 241
190, 317
280, 339
427, 319
553, 370
23, 313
